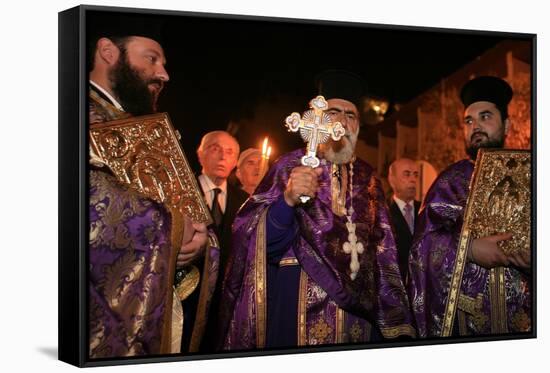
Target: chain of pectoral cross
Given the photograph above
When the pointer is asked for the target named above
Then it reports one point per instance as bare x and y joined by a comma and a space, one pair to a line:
352, 246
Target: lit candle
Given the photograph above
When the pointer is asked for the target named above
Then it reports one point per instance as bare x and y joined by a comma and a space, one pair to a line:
264, 148
265, 158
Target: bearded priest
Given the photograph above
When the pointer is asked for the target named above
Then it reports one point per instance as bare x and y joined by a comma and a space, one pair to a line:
320, 272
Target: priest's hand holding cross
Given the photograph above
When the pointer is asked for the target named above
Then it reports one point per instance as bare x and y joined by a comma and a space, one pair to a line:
302, 182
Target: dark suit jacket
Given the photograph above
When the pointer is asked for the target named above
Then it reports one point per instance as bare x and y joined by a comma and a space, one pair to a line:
403, 236
235, 199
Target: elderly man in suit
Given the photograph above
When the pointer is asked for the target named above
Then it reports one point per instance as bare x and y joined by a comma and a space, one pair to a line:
218, 153
403, 179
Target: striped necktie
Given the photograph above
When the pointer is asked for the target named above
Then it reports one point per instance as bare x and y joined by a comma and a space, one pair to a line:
409, 217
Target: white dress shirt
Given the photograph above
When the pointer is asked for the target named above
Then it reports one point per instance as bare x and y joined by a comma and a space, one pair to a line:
208, 187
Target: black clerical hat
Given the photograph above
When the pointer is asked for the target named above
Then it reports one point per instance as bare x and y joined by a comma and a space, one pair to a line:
340, 84
114, 24
487, 88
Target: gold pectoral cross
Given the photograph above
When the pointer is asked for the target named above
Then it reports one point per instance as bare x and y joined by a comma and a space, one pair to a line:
315, 128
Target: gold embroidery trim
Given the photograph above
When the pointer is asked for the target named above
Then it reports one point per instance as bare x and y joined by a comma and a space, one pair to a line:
260, 283
492, 300
521, 321
189, 283
302, 308
396, 331
502, 300
497, 297
355, 332
288, 262
470, 305
213, 241
201, 316
320, 331
461, 316
112, 109
493, 166
340, 322
177, 324
474, 308
456, 281
176, 238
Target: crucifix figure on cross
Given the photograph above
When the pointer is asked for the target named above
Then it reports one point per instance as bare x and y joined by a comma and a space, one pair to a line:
315, 128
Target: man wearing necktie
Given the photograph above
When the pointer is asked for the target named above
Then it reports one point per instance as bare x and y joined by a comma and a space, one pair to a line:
218, 153
403, 179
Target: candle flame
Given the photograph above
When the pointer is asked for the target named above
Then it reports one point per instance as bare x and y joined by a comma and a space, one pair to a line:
264, 147
268, 152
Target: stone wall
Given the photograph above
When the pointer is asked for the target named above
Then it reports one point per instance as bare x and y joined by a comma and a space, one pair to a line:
434, 118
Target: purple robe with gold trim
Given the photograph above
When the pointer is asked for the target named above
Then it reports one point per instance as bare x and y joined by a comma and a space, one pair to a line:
131, 267
129, 258
331, 307
489, 301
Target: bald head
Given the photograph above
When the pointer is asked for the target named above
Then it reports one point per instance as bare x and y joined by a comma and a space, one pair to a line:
403, 178
218, 154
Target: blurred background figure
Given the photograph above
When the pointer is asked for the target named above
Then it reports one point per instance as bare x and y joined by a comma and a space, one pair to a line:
248, 169
403, 179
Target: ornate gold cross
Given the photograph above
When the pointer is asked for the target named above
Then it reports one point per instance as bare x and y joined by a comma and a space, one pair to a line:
315, 128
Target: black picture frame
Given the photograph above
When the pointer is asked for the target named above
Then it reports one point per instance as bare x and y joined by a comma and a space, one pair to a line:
73, 185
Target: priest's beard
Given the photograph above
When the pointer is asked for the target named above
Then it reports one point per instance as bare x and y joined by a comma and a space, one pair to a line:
341, 151
471, 149
131, 89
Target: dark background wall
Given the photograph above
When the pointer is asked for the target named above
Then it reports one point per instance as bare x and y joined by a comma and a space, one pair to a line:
252, 73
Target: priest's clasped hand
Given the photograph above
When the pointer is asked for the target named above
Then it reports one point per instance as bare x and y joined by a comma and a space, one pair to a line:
485, 252
303, 181
195, 236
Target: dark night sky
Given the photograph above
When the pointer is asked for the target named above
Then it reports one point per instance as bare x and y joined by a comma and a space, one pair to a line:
219, 68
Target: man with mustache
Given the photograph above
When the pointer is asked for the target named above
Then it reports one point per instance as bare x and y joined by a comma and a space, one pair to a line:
290, 280
434, 251
130, 253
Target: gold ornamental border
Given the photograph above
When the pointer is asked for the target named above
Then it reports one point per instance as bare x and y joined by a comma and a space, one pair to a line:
499, 193
144, 152
261, 281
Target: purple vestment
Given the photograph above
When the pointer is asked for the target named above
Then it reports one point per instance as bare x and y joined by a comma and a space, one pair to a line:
130, 292
131, 267
489, 301
331, 307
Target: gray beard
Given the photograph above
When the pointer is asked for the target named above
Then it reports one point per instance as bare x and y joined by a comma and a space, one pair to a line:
345, 149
